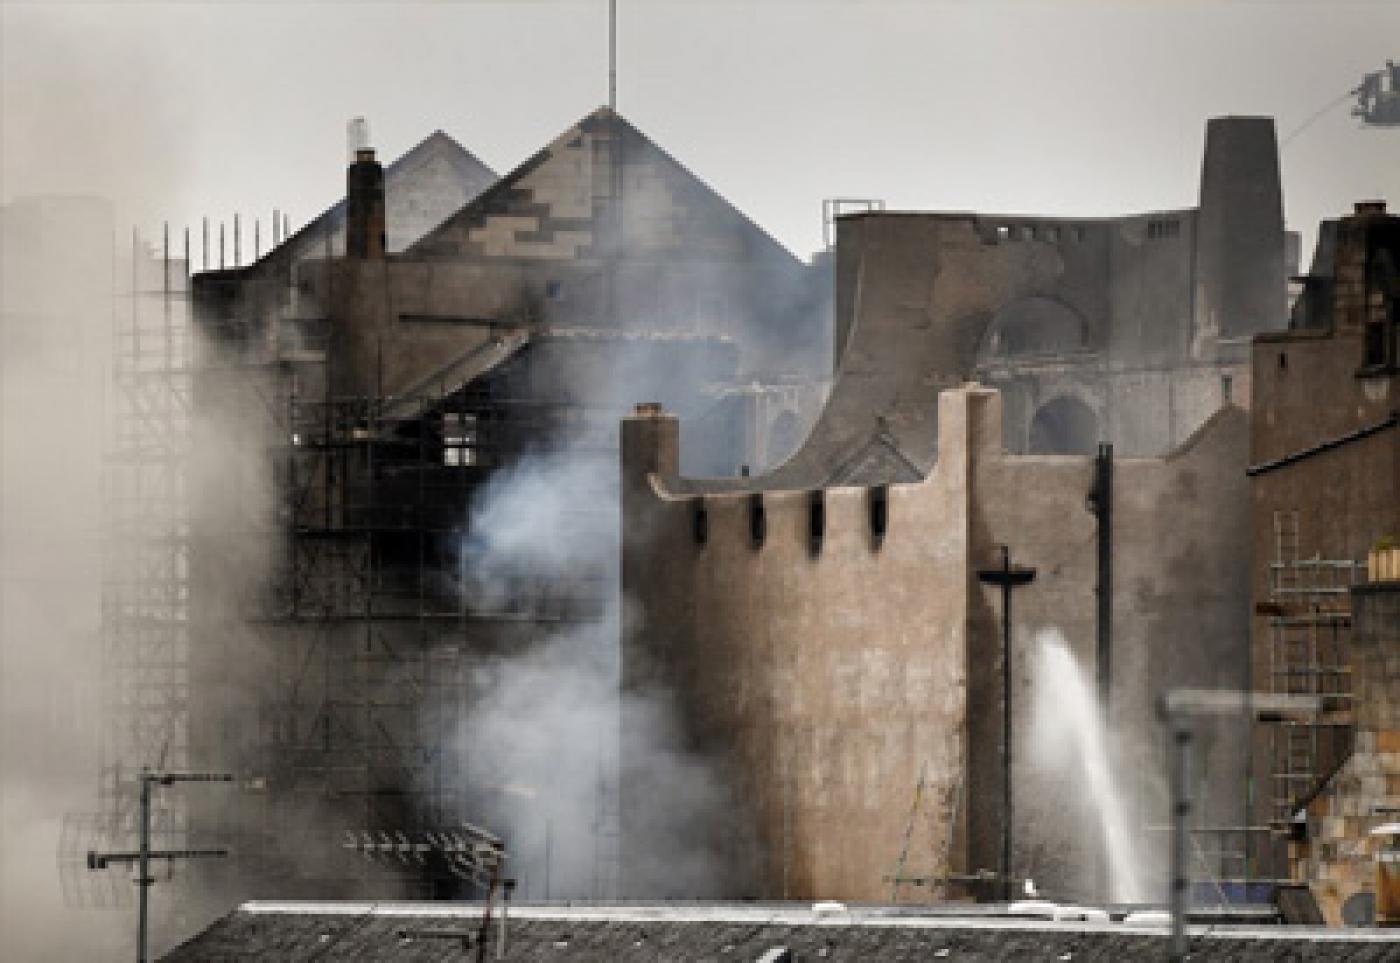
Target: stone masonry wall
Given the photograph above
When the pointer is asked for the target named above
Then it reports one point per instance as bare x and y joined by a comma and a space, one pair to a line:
825, 679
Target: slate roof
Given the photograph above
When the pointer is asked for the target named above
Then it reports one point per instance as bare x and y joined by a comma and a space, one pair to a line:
511, 196
474, 174
440, 931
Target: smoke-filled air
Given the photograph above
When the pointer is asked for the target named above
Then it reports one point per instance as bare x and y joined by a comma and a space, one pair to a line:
515, 467
538, 739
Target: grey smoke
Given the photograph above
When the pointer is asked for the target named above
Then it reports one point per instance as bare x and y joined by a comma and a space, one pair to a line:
539, 741
76, 128
55, 306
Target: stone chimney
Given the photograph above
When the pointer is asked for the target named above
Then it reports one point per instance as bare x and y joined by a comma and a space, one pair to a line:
364, 196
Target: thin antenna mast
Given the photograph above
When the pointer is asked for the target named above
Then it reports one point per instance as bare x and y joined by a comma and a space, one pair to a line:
612, 55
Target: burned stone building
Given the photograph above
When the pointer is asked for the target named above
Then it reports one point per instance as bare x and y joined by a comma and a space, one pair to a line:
1072, 389
833, 648
391, 383
1129, 330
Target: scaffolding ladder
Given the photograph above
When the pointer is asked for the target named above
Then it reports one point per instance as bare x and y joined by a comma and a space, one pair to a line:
1309, 624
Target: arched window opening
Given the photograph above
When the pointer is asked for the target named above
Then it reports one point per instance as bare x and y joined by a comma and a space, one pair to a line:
1064, 426
1034, 327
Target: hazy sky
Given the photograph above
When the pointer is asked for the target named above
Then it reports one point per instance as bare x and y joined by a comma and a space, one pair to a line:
181, 109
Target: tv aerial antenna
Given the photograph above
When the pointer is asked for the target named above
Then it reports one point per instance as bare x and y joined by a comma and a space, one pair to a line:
143, 856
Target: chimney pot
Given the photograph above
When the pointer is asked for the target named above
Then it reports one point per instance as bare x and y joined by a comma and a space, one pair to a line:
356, 135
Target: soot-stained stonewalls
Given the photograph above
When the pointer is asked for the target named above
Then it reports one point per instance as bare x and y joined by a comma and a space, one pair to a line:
1139, 317
824, 678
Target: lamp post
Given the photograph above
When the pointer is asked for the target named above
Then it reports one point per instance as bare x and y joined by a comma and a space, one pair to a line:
1008, 576
1177, 708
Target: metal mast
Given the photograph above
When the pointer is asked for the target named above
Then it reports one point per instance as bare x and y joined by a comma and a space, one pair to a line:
612, 54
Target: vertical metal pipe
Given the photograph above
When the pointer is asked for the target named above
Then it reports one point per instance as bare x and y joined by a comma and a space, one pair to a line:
276, 228
221, 245
135, 300
237, 236
1179, 751
612, 54
1006, 724
187, 256
548, 854
1101, 500
1103, 512
505, 906
483, 935
257, 239
143, 880
1008, 578
165, 295
206, 244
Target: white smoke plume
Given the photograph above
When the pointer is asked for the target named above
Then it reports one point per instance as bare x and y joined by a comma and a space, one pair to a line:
55, 308
76, 161
539, 738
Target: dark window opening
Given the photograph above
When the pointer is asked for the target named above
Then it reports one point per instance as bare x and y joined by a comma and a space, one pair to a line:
758, 522
1034, 326
700, 522
816, 520
1156, 230
460, 439
879, 512
1375, 345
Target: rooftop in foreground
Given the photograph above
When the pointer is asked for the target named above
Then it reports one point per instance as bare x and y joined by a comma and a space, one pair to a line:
747, 932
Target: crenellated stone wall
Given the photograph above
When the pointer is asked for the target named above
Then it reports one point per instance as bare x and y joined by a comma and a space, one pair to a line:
824, 674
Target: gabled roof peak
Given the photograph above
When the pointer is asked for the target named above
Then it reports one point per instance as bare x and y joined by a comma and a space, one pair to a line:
601, 120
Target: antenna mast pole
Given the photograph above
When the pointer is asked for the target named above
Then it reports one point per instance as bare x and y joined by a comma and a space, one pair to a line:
612, 55
142, 857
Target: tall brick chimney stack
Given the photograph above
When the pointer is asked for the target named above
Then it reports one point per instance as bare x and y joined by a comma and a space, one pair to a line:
364, 196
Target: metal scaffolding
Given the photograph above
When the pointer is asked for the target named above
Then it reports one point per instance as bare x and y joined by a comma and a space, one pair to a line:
290, 590
369, 611
146, 568
1309, 620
